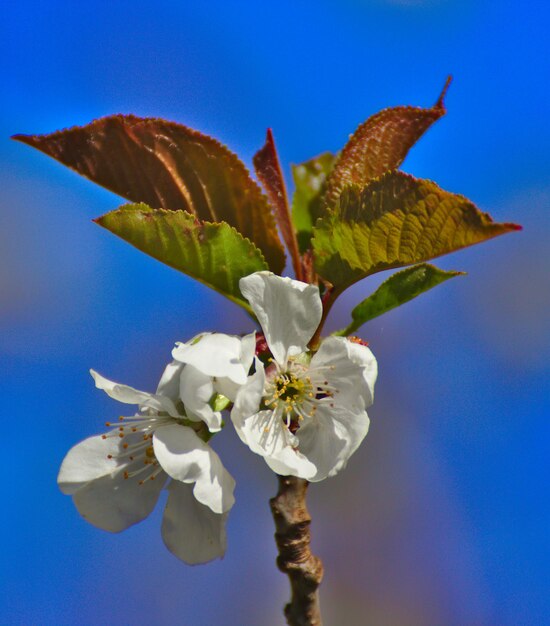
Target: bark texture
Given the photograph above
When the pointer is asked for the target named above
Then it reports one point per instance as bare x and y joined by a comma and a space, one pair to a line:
304, 570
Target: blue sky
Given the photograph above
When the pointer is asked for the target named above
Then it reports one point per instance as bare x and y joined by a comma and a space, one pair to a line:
442, 515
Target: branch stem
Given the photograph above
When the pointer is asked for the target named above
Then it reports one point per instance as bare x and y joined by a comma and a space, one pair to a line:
304, 570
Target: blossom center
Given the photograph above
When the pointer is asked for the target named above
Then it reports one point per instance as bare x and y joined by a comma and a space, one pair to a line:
289, 388
136, 454
293, 393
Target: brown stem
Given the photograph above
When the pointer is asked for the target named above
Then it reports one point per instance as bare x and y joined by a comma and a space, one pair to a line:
304, 570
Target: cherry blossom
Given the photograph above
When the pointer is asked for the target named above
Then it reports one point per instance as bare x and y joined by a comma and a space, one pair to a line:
304, 412
115, 479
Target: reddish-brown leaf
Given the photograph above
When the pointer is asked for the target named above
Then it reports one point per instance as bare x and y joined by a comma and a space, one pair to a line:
268, 168
381, 144
167, 165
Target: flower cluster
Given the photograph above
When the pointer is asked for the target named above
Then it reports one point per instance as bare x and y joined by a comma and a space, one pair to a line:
304, 412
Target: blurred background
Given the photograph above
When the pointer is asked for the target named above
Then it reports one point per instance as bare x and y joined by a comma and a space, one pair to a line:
442, 516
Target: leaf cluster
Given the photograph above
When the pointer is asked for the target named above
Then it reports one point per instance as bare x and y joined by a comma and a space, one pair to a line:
195, 207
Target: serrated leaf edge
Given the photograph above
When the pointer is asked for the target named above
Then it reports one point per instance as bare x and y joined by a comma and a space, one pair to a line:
333, 214
139, 206
129, 119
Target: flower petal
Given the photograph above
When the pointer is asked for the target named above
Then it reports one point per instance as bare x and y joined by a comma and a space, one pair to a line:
196, 391
216, 354
352, 370
227, 388
185, 457
190, 530
129, 395
87, 461
331, 438
266, 434
289, 311
262, 433
291, 462
114, 503
248, 349
169, 384
363, 357
249, 397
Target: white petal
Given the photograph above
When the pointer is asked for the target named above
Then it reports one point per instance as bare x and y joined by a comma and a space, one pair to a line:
87, 461
129, 395
215, 354
169, 384
291, 462
114, 503
227, 388
289, 311
351, 369
267, 435
255, 430
248, 349
185, 457
331, 438
225, 385
122, 393
190, 530
365, 359
249, 397
196, 391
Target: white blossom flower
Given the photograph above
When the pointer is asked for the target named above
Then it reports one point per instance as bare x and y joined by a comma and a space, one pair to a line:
305, 414
215, 363
116, 478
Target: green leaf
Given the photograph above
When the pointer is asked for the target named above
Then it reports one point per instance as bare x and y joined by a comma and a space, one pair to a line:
215, 254
169, 166
309, 180
395, 221
380, 144
398, 289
